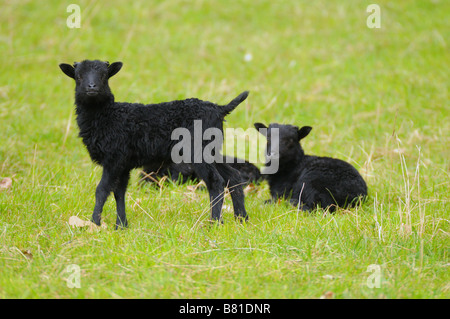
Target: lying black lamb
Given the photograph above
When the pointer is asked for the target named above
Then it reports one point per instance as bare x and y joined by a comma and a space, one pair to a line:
309, 181
184, 172
121, 136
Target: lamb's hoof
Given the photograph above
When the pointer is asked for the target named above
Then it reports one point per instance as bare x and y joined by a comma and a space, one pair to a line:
120, 225
215, 222
96, 221
242, 219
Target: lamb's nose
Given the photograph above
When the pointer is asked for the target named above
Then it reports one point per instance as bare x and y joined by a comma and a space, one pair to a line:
91, 85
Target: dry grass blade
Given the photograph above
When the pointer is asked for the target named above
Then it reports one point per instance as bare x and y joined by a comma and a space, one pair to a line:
77, 222
5, 183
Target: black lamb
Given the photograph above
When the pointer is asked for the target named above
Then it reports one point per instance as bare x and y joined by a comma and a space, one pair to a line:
121, 136
184, 172
308, 181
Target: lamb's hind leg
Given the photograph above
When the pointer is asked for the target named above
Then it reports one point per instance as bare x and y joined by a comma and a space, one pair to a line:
216, 186
234, 183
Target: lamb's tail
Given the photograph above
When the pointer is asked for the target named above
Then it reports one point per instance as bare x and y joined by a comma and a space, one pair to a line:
236, 101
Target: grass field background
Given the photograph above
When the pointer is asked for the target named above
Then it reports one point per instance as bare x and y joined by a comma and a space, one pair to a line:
377, 98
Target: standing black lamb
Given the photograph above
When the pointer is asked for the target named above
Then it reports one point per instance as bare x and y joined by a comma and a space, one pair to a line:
123, 136
309, 181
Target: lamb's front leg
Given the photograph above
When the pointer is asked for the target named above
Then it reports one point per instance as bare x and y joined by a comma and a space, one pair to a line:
303, 196
102, 192
119, 195
301, 206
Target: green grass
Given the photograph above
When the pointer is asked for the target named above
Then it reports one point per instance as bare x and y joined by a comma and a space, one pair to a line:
377, 98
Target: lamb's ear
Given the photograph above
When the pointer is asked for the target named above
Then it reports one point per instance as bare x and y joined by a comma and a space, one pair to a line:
68, 70
113, 68
303, 132
259, 126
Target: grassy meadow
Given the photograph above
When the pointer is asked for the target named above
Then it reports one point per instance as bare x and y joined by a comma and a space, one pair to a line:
377, 98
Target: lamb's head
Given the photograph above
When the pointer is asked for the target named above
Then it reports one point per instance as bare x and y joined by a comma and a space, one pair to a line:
283, 141
91, 78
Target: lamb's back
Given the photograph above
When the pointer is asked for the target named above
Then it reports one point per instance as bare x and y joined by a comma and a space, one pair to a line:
163, 118
326, 174
135, 132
